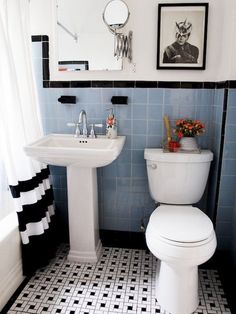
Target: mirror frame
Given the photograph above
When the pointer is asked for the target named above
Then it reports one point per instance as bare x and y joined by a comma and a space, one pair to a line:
113, 30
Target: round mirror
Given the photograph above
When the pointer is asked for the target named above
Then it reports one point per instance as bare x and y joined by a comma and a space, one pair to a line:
116, 14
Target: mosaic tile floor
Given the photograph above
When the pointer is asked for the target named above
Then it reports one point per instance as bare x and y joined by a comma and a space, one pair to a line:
121, 282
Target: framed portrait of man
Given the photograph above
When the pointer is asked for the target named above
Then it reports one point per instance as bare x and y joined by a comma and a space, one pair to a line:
182, 36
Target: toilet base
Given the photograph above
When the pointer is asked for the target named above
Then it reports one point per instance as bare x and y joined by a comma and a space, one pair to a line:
177, 288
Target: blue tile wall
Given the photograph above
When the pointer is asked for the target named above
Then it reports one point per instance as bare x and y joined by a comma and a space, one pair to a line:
226, 211
123, 189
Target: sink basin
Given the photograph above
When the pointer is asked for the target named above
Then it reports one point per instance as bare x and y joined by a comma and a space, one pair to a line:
66, 150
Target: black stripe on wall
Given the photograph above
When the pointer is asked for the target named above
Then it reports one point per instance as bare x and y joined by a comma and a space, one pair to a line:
117, 84
222, 139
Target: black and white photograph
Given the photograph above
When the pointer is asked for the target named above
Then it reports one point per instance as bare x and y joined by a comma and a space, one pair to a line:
182, 36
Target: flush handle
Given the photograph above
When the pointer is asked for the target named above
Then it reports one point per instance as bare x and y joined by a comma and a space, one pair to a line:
153, 166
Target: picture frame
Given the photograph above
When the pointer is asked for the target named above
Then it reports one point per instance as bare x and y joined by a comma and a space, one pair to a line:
182, 36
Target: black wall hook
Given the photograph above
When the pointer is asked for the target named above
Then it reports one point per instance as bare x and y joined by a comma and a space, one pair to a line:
119, 100
67, 99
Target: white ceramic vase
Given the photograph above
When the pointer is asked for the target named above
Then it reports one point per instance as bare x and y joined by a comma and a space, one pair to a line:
188, 143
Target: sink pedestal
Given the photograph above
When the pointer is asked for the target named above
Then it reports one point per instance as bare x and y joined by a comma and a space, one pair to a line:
82, 157
85, 244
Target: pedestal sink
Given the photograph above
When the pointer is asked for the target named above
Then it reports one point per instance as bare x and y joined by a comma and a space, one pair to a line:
81, 156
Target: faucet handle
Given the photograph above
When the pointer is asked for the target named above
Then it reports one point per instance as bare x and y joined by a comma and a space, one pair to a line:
77, 130
70, 124
92, 132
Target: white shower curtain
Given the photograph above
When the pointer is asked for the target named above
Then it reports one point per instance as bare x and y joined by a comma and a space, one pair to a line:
19, 125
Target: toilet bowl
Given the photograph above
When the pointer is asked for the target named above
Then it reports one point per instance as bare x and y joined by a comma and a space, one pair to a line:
179, 235
181, 248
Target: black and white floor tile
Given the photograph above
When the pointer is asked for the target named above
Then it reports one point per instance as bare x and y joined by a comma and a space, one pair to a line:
122, 281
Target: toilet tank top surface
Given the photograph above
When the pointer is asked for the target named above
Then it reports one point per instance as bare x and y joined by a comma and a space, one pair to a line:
181, 223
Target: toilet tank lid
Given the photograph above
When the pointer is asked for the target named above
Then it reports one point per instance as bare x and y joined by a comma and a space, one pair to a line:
157, 154
181, 223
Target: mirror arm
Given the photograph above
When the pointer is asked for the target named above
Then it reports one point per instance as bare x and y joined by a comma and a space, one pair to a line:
123, 46
75, 36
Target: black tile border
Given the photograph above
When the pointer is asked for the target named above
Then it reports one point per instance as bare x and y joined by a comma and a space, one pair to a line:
123, 239
119, 84
15, 295
221, 152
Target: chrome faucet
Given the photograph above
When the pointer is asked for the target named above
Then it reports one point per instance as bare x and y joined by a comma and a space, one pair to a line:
83, 122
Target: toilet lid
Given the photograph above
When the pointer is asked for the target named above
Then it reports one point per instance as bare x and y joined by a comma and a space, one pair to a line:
184, 224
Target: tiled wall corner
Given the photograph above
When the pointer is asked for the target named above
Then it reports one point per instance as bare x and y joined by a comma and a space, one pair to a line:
226, 211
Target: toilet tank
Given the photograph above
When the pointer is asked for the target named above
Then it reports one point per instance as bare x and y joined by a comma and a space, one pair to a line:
177, 178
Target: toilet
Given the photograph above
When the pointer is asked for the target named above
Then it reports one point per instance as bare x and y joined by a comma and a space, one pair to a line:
178, 234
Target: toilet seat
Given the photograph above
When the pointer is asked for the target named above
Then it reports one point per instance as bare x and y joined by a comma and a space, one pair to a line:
180, 225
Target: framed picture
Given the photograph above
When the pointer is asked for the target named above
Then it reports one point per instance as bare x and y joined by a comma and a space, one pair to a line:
182, 36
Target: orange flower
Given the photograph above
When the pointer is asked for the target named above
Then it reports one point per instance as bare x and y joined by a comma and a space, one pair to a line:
188, 127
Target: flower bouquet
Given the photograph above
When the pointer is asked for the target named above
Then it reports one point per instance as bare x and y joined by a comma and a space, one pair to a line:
188, 128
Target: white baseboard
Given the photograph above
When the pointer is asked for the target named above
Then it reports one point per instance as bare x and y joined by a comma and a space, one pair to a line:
10, 283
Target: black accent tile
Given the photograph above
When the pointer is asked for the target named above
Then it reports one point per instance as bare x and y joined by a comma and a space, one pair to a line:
45, 38
124, 84
146, 84
35, 38
45, 50
192, 85
123, 239
81, 84
232, 84
221, 85
59, 84
46, 76
102, 84
209, 85
162, 84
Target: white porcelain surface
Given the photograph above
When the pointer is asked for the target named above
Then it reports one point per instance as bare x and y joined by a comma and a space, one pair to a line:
177, 274
177, 178
180, 236
65, 150
181, 223
81, 156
